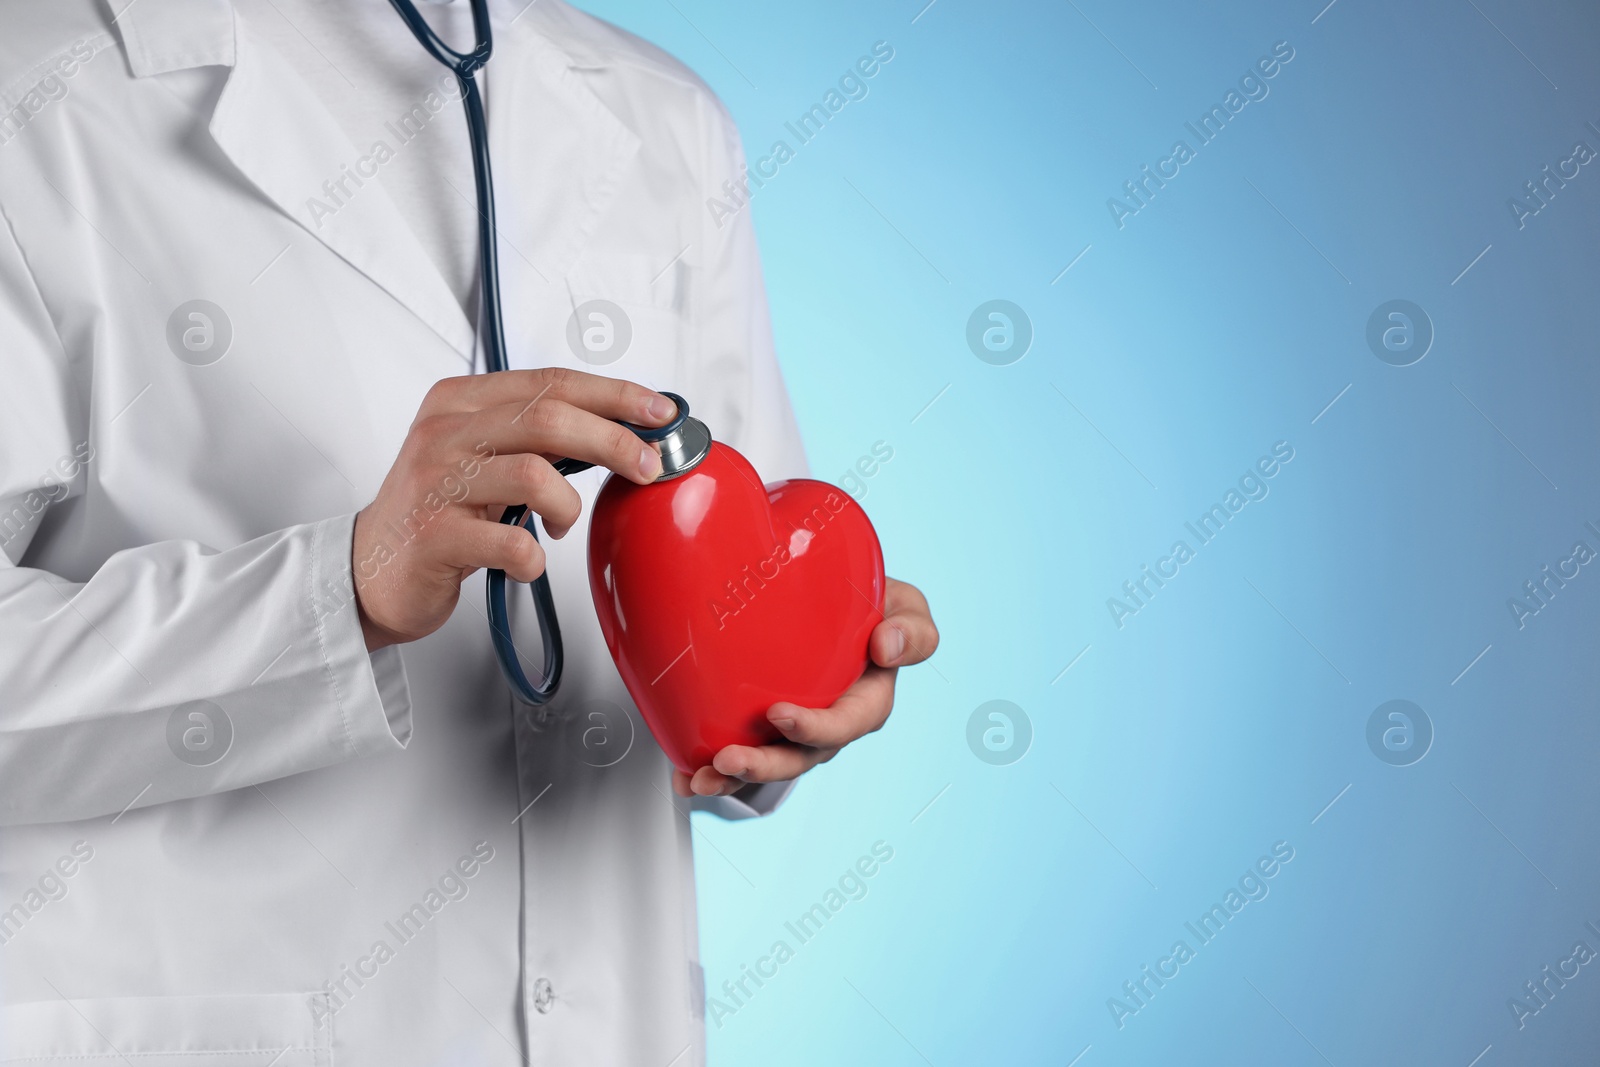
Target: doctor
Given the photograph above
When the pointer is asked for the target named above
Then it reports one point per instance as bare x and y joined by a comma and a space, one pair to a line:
265, 798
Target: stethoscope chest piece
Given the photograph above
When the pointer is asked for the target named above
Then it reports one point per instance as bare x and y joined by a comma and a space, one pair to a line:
684, 448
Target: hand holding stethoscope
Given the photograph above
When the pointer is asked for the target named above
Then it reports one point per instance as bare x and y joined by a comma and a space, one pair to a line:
478, 443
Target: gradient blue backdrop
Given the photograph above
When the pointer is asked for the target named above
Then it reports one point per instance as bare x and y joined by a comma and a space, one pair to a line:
1226, 715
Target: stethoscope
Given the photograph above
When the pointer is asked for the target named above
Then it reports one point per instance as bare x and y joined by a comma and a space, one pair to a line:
464, 66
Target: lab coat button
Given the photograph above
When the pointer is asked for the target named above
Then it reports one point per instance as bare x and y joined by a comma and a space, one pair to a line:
544, 995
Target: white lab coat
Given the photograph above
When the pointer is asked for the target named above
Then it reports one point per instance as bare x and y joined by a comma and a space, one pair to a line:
177, 530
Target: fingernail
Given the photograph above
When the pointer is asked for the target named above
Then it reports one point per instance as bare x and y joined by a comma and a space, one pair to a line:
661, 409
733, 768
783, 723
649, 462
897, 643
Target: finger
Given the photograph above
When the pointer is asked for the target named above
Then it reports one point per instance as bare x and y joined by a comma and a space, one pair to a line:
776, 762
709, 782
610, 398
551, 428
524, 478
680, 783
478, 543
907, 633
863, 708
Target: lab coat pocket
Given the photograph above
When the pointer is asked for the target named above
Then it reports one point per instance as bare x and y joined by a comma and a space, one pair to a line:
628, 315
280, 1029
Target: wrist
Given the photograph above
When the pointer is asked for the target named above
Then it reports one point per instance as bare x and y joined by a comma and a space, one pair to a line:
376, 636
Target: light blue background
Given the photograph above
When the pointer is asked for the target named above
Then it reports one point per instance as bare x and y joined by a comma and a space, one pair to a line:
1232, 709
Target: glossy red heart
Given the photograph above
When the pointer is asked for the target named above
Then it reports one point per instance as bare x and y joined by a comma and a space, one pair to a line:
719, 597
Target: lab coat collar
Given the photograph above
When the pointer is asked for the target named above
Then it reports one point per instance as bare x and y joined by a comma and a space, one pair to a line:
275, 130
174, 34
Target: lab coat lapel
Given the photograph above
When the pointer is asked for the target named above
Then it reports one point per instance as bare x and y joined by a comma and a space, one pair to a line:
558, 144
275, 130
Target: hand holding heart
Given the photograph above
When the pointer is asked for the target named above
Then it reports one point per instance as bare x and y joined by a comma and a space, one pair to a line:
752, 624
905, 637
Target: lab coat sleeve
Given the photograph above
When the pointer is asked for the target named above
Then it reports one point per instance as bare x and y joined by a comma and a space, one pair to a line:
749, 802
175, 669
739, 370
736, 365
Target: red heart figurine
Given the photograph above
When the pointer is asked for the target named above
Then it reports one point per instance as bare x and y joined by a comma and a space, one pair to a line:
719, 596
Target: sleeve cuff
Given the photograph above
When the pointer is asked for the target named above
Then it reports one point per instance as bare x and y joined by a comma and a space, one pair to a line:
749, 802
371, 691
